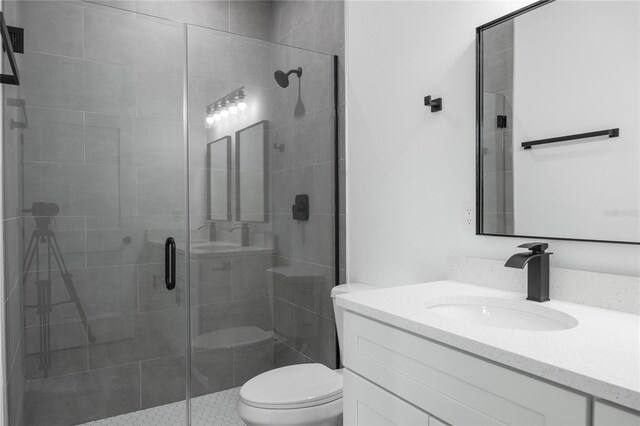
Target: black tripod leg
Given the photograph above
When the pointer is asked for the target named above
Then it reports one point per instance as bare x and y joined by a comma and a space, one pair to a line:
68, 282
47, 315
43, 288
28, 258
43, 300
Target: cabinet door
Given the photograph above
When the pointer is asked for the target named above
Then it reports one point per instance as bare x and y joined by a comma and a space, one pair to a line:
456, 387
608, 415
368, 404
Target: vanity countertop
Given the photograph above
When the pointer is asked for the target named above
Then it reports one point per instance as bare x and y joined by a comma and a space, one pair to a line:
208, 249
600, 356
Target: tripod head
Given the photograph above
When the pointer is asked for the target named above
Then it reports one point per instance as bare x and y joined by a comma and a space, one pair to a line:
43, 213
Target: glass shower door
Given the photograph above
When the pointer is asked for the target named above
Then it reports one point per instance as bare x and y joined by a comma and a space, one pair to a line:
103, 177
260, 276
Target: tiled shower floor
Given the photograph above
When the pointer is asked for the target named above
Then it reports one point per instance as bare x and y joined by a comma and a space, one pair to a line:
217, 408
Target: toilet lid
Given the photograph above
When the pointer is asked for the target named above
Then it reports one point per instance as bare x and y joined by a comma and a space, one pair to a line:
295, 386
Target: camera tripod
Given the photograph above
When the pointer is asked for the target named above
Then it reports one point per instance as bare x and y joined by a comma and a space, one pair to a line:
43, 234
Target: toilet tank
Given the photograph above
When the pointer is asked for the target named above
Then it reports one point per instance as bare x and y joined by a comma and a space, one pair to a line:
339, 312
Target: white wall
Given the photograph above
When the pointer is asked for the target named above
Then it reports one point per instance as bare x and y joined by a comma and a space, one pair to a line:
410, 171
572, 189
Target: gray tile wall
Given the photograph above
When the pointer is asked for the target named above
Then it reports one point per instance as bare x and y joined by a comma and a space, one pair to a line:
303, 313
244, 17
497, 143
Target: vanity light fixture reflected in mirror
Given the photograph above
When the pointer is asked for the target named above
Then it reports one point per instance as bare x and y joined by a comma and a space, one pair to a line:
240, 100
227, 106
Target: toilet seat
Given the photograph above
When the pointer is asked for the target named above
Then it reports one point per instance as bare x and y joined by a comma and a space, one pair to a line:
292, 387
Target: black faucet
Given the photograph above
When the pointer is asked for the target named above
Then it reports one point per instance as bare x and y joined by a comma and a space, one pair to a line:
212, 230
538, 273
244, 233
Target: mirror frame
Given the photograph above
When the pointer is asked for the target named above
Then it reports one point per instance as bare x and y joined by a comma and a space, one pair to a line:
266, 171
479, 118
229, 177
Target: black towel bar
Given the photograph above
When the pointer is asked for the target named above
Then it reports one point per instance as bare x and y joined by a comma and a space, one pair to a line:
612, 133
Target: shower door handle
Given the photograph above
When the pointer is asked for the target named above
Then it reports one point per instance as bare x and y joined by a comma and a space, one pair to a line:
170, 263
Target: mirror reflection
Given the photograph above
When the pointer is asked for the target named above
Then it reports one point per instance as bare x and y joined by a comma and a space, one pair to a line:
251, 179
219, 181
559, 135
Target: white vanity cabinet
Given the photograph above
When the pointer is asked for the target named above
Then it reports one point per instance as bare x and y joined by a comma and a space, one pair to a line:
368, 404
607, 415
397, 377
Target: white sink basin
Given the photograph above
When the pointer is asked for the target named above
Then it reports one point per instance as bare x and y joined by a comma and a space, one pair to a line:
501, 313
212, 245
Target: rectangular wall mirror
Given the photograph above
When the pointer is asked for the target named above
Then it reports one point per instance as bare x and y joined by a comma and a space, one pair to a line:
219, 179
252, 181
558, 122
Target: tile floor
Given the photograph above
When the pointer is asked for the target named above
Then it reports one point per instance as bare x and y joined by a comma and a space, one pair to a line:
217, 408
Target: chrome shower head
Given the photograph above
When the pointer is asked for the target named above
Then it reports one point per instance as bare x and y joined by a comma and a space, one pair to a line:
282, 78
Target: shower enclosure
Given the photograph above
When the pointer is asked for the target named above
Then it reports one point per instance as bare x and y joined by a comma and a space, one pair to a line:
497, 124
129, 128
497, 197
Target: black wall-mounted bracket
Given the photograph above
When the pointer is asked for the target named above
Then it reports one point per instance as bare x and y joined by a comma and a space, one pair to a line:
16, 37
9, 39
300, 209
435, 104
501, 122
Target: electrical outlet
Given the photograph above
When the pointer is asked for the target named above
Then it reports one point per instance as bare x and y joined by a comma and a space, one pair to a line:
468, 215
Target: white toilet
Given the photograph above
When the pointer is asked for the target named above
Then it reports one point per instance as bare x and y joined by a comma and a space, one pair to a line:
302, 394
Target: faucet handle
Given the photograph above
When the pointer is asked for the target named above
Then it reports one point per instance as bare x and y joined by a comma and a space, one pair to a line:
536, 248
